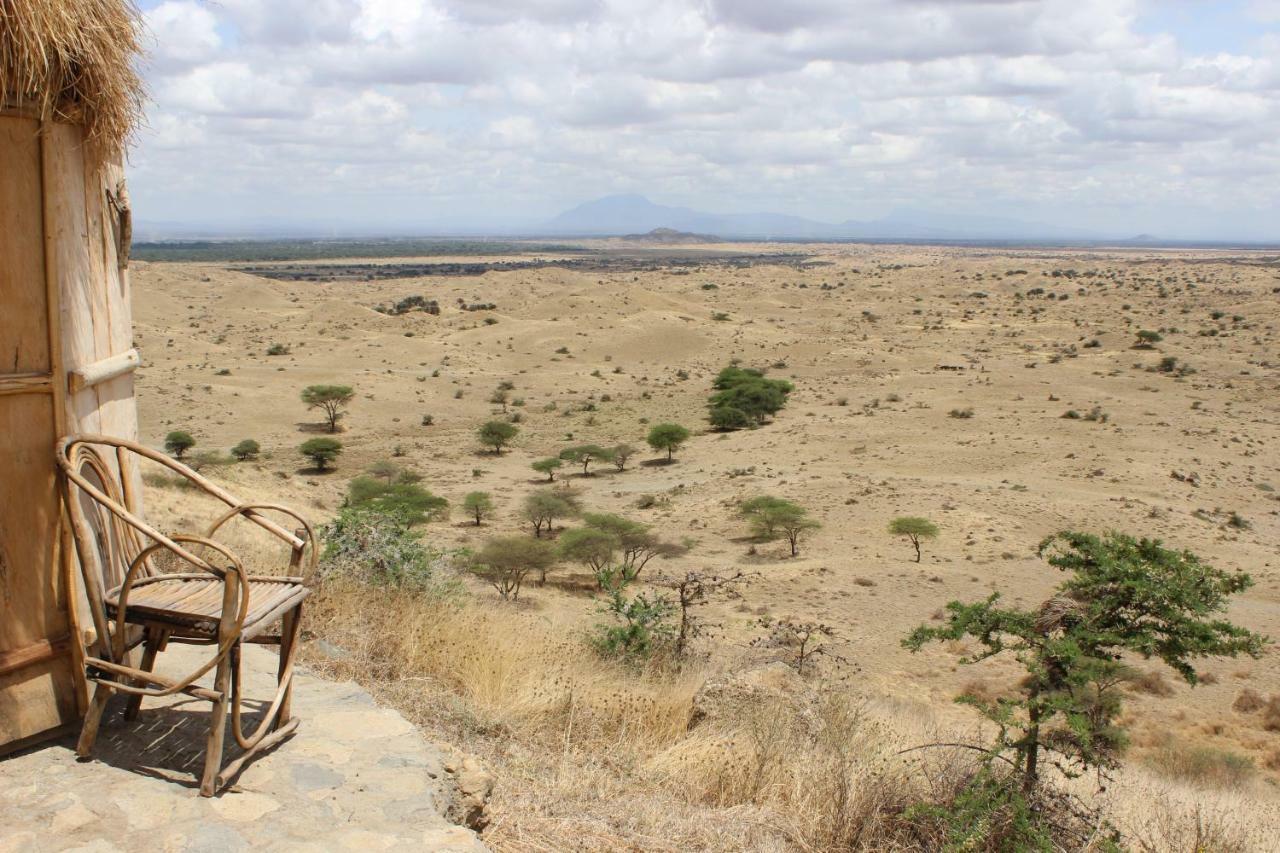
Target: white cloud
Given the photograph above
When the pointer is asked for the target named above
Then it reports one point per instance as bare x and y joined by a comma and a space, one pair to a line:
522, 106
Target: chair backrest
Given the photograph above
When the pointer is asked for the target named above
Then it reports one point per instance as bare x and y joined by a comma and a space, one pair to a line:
106, 528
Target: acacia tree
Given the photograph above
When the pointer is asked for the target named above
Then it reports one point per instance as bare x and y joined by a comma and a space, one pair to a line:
585, 454
914, 528
505, 561
330, 399
496, 434
1123, 596
621, 454
478, 505
667, 437
547, 466
542, 509
635, 541
768, 516
321, 451
246, 450
178, 443
595, 549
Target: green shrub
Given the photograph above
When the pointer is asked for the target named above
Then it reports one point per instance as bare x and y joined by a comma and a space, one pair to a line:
178, 443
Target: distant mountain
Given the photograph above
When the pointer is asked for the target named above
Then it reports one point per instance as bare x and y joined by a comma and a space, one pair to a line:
668, 236
634, 214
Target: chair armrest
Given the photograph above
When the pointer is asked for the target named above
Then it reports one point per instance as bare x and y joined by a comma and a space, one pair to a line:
298, 543
235, 608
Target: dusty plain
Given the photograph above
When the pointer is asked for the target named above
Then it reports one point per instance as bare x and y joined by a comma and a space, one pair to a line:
882, 343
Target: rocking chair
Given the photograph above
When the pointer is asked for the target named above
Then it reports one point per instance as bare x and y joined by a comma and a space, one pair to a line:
213, 601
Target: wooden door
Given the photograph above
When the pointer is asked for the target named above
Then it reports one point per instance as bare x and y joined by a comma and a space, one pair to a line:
38, 675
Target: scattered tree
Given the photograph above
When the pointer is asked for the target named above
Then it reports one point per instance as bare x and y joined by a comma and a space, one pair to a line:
321, 451
667, 437
384, 470
914, 528
1123, 596
402, 497
744, 396
620, 454
505, 561
547, 466
478, 505
593, 548
496, 434
178, 442
634, 540
246, 450
331, 399
585, 454
542, 509
770, 516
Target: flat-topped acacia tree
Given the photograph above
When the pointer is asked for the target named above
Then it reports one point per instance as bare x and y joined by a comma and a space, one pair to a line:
914, 528
330, 399
548, 466
178, 442
321, 451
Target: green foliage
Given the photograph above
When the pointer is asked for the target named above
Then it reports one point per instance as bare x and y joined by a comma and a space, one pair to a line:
991, 813
478, 505
321, 451
330, 399
914, 528
728, 418
403, 498
505, 561
639, 626
542, 509
594, 548
547, 466
1123, 596
278, 349
745, 396
246, 450
178, 443
379, 548
769, 516
667, 437
585, 454
496, 434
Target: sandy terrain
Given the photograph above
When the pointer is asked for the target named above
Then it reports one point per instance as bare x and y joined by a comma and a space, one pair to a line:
867, 435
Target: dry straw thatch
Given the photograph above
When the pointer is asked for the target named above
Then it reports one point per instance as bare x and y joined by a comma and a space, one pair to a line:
73, 60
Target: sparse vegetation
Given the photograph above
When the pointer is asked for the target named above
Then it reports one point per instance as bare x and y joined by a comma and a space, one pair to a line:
246, 450
178, 442
321, 451
332, 400
914, 528
497, 434
668, 437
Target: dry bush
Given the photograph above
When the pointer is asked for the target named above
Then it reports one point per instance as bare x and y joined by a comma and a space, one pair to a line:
1201, 765
1151, 682
1271, 714
1248, 701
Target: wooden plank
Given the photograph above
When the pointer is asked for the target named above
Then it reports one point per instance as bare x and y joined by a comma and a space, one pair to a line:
102, 370
24, 346
38, 652
26, 383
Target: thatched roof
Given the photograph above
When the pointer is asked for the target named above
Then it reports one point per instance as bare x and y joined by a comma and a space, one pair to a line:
72, 60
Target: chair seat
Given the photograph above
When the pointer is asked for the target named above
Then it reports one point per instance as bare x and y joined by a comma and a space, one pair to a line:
196, 602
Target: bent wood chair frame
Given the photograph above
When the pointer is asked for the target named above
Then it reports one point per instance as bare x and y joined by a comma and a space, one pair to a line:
110, 535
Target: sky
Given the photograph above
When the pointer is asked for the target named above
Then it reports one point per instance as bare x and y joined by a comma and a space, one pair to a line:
346, 116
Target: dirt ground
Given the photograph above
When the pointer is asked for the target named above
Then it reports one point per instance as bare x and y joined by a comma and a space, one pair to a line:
882, 343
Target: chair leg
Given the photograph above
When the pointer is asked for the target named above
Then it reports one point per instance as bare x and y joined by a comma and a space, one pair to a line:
154, 641
288, 637
217, 727
93, 719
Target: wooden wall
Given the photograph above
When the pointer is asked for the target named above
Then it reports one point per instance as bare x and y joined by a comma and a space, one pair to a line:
64, 311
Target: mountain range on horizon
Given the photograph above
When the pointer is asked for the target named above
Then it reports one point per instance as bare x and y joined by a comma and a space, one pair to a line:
632, 213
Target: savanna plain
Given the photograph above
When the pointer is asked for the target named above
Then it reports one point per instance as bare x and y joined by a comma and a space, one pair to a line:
1003, 394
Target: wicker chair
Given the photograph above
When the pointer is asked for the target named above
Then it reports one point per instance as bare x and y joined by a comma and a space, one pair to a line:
212, 601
